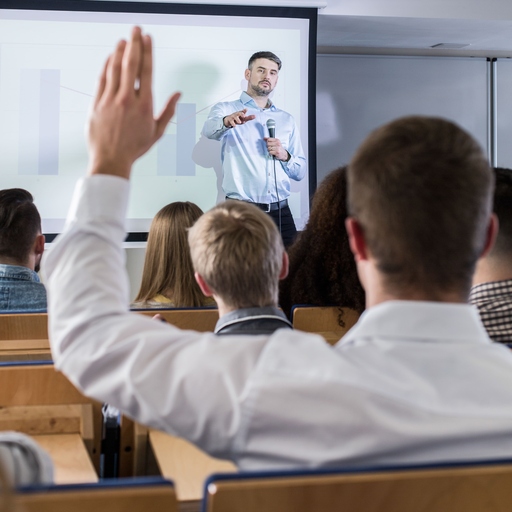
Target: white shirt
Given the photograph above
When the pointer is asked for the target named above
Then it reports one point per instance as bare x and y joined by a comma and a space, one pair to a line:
412, 382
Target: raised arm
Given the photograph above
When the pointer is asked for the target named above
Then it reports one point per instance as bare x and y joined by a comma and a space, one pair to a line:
151, 371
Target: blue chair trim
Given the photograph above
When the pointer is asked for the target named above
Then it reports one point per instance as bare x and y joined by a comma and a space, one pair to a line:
47, 362
110, 483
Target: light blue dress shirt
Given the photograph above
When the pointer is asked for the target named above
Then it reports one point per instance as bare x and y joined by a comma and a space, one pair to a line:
247, 166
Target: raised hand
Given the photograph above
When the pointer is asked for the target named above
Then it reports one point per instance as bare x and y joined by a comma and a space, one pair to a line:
121, 124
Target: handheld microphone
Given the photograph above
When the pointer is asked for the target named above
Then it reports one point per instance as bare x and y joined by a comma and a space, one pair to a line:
271, 125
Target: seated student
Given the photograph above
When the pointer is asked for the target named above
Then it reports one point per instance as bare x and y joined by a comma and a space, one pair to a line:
21, 248
239, 257
492, 283
416, 380
168, 277
322, 268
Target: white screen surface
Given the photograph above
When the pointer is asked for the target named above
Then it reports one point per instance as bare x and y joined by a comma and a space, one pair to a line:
49, 65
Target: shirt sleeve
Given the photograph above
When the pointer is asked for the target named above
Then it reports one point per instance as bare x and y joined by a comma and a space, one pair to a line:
183, 382
214, 126
296, 167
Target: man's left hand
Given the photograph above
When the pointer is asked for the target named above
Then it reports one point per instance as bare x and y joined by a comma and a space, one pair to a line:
275, 149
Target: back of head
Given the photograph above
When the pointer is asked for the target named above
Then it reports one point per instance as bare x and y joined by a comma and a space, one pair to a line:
167, 266
503, 209
20, 224
238, 251
322, 268
421, 190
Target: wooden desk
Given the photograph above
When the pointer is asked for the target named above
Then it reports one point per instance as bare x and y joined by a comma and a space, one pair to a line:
25, 350
185, 464
70, 458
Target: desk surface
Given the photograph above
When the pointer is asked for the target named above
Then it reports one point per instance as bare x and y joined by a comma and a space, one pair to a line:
185, 464
70, 458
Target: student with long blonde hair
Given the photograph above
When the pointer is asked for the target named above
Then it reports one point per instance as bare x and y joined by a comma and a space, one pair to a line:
168, 276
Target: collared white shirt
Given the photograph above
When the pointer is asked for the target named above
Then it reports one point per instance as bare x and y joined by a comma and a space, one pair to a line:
412, 382
248, 168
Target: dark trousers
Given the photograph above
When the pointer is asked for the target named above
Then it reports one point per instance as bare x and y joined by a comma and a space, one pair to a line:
288, 229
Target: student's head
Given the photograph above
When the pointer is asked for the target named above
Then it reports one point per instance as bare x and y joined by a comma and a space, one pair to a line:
237, 251
21, 241
322, 267
167, 266
420, 192
503, 209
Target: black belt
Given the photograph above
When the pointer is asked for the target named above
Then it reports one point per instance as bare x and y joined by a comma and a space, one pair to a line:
266, 207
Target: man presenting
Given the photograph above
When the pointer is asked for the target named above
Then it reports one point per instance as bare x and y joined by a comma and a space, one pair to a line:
251, 153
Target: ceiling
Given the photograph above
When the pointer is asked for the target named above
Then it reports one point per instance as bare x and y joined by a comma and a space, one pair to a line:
413, 36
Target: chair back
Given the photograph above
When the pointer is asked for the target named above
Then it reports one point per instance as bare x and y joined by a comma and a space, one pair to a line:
332, 322
478, 487
37, 400
135, 495
195, 319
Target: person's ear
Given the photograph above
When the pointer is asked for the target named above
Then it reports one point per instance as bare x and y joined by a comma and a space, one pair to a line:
39, 245
247, 74
356, 239
492, 233
207, 291
284, 266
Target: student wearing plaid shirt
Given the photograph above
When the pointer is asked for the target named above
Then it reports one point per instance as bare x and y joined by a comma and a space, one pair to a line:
492, 284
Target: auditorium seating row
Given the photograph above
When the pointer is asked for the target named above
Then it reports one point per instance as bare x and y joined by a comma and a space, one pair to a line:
478, 487
24, 336
37, 400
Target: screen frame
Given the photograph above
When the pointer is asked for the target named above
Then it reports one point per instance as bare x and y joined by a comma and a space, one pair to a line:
310, 14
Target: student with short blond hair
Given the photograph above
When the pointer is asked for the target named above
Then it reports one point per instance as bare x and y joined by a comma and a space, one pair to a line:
239, 258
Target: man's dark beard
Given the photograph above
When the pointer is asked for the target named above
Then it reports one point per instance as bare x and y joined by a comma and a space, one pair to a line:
259, 91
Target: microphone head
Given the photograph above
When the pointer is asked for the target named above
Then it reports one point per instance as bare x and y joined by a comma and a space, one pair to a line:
271, 125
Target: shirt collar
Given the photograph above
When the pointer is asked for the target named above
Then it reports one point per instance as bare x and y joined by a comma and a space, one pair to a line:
18, 272
419, 321
485, 292
248, 100
239, 315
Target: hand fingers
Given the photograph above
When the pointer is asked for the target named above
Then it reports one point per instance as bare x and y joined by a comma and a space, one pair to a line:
101, 84
166, 115
114, 69
146, 70
131, 63
249, 118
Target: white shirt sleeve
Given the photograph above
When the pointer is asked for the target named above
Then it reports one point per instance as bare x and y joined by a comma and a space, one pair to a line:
186, 383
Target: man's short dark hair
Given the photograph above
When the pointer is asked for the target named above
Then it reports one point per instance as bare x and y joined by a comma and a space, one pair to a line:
503, 209
421, 189
20, 223
265, 55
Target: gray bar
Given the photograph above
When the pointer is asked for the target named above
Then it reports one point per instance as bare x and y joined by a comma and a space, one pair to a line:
166, 156
28, 149
49, 109
185, 139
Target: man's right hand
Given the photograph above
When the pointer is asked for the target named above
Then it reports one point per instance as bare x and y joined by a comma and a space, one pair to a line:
237, 118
